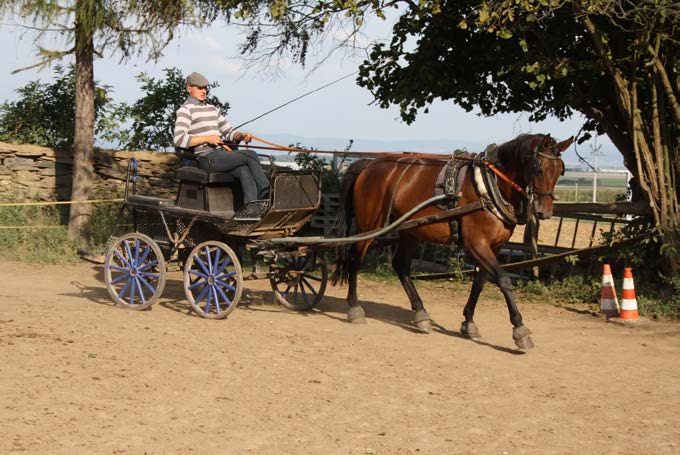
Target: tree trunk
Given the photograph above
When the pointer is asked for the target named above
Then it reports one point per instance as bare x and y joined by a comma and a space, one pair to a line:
83, 147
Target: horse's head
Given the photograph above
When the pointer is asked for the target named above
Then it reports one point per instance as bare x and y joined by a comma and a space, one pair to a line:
542, 174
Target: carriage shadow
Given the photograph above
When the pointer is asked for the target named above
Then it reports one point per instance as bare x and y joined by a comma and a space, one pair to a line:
335, 308
96, 294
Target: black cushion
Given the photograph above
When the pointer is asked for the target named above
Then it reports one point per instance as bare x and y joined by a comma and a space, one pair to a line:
196, 175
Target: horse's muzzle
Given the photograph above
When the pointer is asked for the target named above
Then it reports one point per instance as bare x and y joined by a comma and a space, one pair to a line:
544, 215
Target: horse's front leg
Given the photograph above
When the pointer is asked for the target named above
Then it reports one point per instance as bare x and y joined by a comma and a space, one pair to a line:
487, 260
468, 328
401, 263
520, 332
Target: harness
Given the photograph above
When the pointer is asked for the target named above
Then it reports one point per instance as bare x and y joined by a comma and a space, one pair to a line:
485, 176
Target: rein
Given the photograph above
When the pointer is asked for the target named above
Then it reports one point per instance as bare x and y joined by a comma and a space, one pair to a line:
414, 155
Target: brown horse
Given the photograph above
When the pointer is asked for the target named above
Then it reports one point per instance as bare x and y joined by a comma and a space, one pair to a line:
374, 192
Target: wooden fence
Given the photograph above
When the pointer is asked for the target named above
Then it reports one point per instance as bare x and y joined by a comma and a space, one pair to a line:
574, 226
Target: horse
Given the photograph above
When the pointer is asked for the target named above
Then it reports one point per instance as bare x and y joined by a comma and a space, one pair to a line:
373, 192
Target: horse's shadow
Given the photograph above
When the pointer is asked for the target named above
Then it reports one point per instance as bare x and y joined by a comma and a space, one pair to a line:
382, 312
263, 301
444, 331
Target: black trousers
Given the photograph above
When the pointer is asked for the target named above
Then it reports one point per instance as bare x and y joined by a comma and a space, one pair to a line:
242, 164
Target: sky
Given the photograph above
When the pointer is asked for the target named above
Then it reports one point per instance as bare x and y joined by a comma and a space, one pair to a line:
326, 119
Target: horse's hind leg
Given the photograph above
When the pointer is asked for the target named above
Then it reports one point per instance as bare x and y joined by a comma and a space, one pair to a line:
401, 263
355, 313
468, 328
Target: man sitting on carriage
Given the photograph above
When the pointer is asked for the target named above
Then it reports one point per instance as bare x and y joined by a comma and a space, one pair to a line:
200, 128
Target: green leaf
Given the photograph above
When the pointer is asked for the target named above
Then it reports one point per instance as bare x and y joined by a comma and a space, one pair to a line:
504, 33
523, 44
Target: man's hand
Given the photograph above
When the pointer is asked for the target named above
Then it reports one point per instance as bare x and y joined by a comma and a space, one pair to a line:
245, 137
213, 140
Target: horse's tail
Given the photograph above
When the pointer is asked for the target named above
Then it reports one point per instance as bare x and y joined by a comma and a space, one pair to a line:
343, 220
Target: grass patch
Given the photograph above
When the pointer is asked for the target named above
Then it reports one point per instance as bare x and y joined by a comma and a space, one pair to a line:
41, 238
659, 302
41, 235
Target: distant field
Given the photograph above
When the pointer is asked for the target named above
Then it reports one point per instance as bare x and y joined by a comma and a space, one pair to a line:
578, 186
604, 179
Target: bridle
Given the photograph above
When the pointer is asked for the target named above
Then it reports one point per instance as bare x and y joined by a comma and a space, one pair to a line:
530, 192
536, 171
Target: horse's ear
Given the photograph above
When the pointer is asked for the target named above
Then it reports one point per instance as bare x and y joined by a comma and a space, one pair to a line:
562, 146
547, 140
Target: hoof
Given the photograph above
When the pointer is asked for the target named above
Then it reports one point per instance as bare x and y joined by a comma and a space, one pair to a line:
356, 314
425, 326
422, 321
521, 336
470, 330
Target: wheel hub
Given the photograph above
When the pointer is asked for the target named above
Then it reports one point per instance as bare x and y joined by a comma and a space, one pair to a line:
211, 280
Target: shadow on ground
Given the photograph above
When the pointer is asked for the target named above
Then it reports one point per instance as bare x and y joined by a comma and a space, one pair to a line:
263, 301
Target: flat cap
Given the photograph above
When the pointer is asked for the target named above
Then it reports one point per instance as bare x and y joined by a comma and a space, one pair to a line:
198, 80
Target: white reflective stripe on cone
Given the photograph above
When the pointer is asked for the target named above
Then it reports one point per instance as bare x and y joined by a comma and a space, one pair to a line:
628, 304
628, 283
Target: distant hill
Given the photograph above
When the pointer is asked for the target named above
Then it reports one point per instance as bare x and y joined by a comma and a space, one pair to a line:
610, 158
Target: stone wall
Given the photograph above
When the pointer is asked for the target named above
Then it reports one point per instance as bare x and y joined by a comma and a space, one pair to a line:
37, 173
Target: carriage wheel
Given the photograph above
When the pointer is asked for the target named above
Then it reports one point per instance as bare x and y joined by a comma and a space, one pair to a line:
213, 281
299, 282
134, 271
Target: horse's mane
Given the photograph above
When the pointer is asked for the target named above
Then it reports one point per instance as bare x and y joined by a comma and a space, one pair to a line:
513, 153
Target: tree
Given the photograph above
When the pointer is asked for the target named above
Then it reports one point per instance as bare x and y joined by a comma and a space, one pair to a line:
613, 61
153, 115
44, 114
90, 28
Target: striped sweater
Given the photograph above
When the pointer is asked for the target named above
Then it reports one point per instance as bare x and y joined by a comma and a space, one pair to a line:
197, 118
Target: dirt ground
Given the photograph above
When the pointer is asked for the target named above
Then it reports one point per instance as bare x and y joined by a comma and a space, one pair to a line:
79, 375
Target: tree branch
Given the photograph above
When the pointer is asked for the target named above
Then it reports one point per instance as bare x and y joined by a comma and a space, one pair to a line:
47, 60
668, 88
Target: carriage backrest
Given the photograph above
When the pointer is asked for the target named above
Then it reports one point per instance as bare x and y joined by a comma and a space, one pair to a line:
296, 190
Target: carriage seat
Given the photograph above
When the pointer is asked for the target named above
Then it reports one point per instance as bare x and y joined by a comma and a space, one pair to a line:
218, 193
197, 175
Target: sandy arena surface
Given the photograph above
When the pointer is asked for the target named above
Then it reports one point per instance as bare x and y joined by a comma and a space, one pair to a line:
79, 375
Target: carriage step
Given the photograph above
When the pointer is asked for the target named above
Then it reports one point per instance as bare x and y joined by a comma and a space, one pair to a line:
253, 211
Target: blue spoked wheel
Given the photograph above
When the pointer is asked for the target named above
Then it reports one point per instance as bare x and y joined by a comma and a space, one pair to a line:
298, 282
213, 281
134, 271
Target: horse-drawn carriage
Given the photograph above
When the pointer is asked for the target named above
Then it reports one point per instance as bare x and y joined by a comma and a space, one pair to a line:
206, 229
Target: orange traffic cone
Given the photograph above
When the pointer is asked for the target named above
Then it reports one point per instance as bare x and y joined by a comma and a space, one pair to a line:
629, 308
609, 304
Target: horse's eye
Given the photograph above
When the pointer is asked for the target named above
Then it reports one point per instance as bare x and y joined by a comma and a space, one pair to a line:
539, 172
